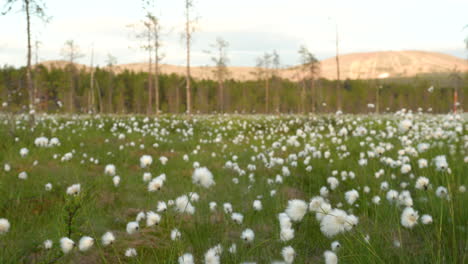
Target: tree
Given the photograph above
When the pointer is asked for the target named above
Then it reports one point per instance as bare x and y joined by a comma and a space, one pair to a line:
91, 84
156, 28
310, 68
275, 76
30, 8
189, 29
221, 71
111, 61
152, 34
338, 81
71, 52
264, 73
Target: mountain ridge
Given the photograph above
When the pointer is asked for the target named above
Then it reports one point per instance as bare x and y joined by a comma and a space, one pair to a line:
362, 65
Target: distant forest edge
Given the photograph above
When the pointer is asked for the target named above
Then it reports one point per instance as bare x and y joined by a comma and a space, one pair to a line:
69, 90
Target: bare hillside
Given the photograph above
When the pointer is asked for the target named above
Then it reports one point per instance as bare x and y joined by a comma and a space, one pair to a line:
352, 66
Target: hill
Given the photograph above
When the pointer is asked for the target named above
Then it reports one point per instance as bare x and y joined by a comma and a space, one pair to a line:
352, 66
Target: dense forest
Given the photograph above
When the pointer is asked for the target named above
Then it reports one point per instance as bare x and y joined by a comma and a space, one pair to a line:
71, 90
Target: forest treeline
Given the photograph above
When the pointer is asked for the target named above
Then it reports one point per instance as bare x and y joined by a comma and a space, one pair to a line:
127, 92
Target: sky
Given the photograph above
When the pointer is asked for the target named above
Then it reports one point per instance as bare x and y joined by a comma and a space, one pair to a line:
252, 27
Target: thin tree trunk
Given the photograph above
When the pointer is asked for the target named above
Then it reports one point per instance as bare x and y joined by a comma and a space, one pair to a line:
28, 65
91, 83
156, 77
187, 38
99, 97
70, 94
267, 95
313, 93
110, 94
150, 76
338, 88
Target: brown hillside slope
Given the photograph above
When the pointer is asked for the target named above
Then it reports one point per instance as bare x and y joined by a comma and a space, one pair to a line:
352, 66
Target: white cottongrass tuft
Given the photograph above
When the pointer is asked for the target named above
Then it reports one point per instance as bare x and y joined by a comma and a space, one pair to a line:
86, 243
335, 246
426, 219
175, 234
333, 223
237, 217
74, 189
288, 254
48, 186
146, 161
22, 175
24, 152
130, 252
296, 209
66, 245
351, 196
227, 207
132, 227
108, 238
183, 205
152, 218
110, 170
248, 235
330, 257
187, 258
156, 184
257, 205
212, 256
162, 206
409, 217
202, 176
48, 244
116, 181
442, 192
4, 226
422, 183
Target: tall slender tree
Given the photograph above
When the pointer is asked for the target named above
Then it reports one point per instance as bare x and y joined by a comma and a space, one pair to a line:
275, 60
264, 72
71, 52
111, 61
338, 80
220, 71
310, 67
189, 29
153, 34
31, 8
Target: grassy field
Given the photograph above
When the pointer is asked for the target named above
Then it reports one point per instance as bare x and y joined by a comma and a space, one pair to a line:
346, 160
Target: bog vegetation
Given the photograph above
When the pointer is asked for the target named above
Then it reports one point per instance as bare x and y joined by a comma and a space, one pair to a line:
234, 189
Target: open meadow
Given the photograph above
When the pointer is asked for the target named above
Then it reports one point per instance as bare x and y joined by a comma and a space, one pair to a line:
234, 189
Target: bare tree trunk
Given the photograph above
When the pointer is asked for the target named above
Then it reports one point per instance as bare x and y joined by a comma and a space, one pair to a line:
91, 83
338, 85
303, 97
177, 104
267, 95
99, 97
313, 95
71, 92
150, 78
221, 95
110, 94
28, 65
35, 82
188, 39
156, 78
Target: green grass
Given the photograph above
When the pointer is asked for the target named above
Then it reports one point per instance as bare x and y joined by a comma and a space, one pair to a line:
36, 215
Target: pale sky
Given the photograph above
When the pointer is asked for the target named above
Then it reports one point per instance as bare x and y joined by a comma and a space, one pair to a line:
252, 27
